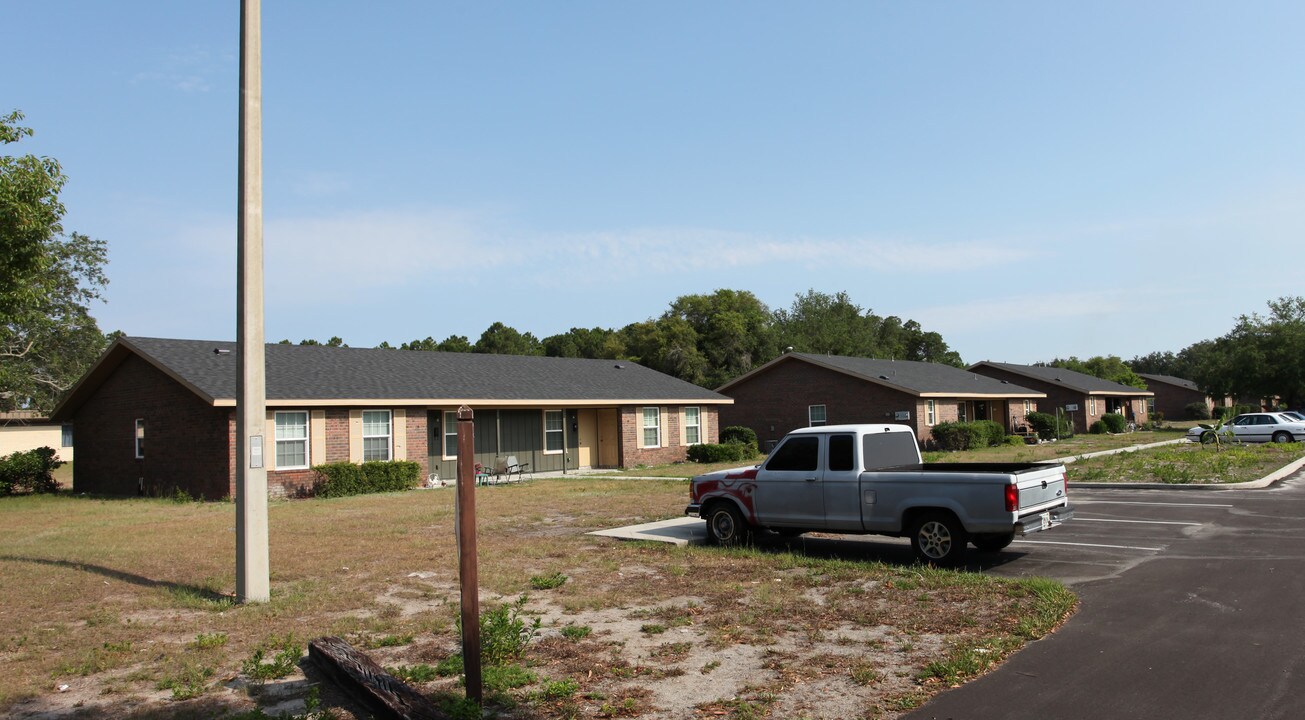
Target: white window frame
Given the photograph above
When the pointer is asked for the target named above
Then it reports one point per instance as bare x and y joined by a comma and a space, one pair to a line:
140, 438
450, 429
279, 441
962, 413
1028, 408
559, 432
930, 412
696, 425
1092, 406
811, 416
389, 436
656, 427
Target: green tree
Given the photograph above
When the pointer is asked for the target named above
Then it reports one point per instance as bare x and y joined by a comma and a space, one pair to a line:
827, 324
501, 339
668, 345
591, 343
1106, 367
733, 331
1261, 357
47, 282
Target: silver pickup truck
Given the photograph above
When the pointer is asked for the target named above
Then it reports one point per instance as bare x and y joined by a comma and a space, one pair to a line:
869, 479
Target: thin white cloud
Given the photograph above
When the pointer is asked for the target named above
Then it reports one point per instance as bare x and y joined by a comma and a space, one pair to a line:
320, 184
189, 70
668, 250
378, 249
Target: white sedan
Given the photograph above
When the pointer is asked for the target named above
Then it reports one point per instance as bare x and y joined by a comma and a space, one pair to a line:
1254, 427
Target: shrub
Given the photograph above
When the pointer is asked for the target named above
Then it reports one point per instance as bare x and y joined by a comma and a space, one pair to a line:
1044, 424
993, 432
954, 436
1098, 428
1115, 422
968, 435
29, 472
740, 435
345, 478
724, 452
504, 634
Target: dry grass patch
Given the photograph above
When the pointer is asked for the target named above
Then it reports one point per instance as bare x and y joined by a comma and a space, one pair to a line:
128, 602
1187, 463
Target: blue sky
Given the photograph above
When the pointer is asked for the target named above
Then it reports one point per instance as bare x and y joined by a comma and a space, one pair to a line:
1030, 179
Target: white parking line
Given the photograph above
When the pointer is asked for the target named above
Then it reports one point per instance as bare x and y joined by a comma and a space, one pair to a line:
1112, 547
1142, 522
1127, 502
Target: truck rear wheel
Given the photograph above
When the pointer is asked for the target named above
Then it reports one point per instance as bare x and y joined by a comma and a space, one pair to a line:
725, 525
939, 539
992, 542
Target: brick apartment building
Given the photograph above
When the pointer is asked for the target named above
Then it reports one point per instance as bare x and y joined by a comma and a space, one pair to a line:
1084, 397
153, 416
799, 390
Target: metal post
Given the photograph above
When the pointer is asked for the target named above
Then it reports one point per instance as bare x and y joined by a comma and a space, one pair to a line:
252, 573
467, 572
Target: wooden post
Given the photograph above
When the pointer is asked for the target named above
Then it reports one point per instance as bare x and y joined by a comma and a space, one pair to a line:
467, 572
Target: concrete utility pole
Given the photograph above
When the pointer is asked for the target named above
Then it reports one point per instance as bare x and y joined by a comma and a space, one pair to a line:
252, 572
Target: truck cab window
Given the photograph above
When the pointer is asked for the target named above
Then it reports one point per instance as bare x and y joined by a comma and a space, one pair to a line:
799, 453
840, 452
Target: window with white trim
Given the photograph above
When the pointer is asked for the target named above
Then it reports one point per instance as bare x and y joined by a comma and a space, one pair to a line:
140, 438
652, 427
816, 415
1092, 406
960, 412
1028, 407
376, 435
291, 440
450, 434
930, 413
692, 426
554, 436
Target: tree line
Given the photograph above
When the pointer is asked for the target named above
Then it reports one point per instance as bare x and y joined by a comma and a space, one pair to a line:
709, 339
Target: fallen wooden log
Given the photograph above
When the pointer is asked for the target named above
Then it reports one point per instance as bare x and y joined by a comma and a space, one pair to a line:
367, 682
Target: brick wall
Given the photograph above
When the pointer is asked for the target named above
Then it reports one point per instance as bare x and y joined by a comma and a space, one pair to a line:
299, 483
185, 438
1172, 400
776, 401
672, 449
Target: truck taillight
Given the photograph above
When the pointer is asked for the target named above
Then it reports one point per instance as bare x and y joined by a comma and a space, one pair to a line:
1064, 482
1012, 498
693, 492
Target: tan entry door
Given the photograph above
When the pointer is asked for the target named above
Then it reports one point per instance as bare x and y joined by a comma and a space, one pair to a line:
609, 438
586, 437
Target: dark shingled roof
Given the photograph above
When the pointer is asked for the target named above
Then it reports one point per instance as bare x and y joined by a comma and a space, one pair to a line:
1171, 380
308, 372
917, 378
1078, 381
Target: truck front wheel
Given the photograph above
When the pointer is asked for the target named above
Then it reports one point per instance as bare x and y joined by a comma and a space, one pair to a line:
938, 539
725, 525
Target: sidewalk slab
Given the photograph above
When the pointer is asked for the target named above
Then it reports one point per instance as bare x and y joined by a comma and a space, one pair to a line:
676, 531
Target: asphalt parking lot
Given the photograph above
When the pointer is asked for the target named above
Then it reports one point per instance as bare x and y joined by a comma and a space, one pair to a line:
1193, 606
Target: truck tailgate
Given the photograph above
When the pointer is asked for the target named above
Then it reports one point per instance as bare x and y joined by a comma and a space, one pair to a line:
1041, 488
